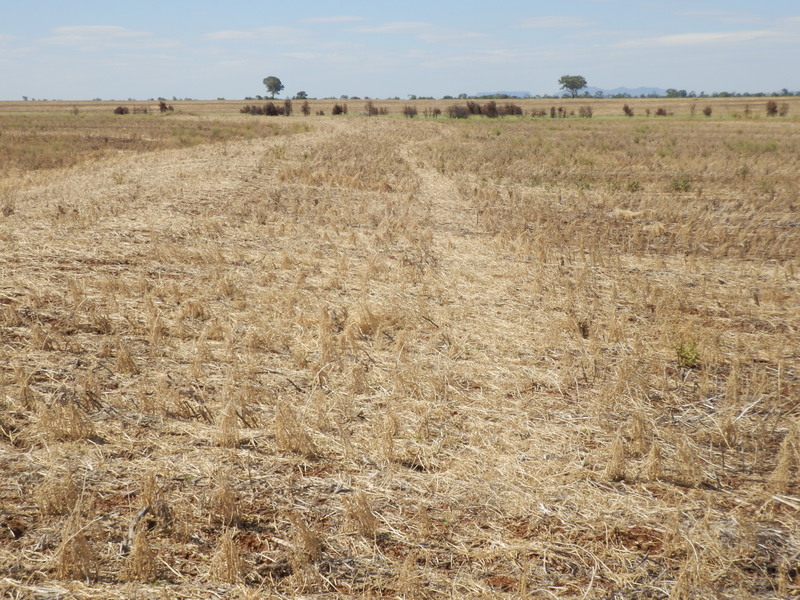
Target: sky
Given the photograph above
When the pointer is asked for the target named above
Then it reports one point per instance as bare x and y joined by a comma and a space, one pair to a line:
81, 50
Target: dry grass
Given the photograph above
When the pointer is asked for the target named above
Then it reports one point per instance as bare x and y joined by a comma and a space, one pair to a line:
386, 357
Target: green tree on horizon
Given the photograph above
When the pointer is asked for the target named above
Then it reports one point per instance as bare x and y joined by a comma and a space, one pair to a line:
572, 83
273, 85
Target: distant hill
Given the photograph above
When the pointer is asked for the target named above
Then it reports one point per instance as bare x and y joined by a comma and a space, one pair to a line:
510, 94
634, 92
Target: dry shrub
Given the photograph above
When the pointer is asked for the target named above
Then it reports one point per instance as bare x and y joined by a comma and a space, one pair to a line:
616, 466
410, 111
140, 564
56, 494
125, 361
627, 110
653, 465
223, 504
585, 112
65, 422
510, 109
457, 111
228, 562
708, 110
74, 557
688, 469
772, 108
787, 463
307, 543
490, 110
227, 435
360, 516
291, 435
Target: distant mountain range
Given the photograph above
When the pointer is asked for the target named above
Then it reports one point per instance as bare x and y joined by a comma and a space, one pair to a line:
640, 91
511, 94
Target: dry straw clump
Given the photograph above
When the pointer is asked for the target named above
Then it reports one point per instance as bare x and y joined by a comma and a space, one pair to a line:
371, 357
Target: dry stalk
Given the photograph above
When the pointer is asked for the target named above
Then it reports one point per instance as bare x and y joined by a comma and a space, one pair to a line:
74, 557
56, 494
360, 516
616, 466
307, 543
228, 562
223, 504
291, 435
140, 564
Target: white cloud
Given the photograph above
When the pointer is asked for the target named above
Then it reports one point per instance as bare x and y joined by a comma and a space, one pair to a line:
439, 37
306, 55
341, 19
396, 27
92, 37
722, 16
229, 34
553, 23
281, 35
699, 39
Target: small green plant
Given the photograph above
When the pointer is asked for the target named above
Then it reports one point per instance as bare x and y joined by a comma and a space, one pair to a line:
680, 183
688, 354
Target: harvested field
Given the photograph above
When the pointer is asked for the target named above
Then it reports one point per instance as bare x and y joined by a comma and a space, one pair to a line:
250, 357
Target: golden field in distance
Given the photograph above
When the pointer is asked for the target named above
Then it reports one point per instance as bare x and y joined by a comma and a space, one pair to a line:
338, 356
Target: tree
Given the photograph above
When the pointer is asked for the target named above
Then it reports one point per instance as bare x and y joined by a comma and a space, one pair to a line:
273, 84
301, 96
572, 83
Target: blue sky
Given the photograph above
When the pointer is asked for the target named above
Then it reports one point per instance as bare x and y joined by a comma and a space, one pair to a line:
75, 50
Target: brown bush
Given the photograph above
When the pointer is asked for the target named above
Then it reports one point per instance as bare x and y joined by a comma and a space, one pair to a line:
585, 112
305, 108
661, 112
457, 111
121, 110
474, 108
509, 109
627, 110
410, 111
707, 111
490, 110
772, 108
